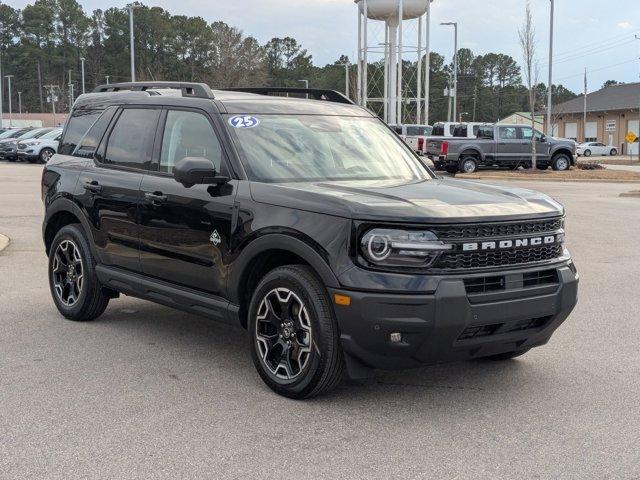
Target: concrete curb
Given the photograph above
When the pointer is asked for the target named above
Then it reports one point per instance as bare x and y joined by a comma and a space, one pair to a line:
538, 179
4, 242
632, 194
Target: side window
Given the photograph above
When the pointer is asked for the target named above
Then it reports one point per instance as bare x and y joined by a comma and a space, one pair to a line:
475, 130
507, 133
131, 140
485, 132
188, 134
88, 144
78, 124
527, 133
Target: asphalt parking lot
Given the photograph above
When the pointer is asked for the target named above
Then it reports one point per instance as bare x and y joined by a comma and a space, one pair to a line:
148, 392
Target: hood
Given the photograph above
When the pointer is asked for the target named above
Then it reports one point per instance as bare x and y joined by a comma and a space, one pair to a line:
428, 201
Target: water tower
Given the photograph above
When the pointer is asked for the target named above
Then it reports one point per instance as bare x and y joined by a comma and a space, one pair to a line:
403, 22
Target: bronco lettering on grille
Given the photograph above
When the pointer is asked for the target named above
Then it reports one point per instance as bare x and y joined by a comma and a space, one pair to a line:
511, 243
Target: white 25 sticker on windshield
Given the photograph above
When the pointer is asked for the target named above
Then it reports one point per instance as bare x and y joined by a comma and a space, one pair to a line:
243, 121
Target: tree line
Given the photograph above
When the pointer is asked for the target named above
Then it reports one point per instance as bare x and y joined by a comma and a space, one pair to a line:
43, 44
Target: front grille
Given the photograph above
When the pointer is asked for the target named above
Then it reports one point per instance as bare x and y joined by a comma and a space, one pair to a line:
484, 284
22, 146
493, 230
477, 331
497, 258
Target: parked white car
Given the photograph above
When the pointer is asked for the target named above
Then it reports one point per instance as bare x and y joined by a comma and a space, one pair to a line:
595, 148
40, 149
413, 135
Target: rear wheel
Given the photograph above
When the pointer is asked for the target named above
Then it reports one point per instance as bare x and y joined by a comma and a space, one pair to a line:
74, 286
294, 335
46, 154
468, 165
587, 153
561, 162
613, 152
541, 167
451, 169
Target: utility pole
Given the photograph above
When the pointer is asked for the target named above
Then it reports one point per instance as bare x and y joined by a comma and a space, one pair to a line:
1, 89
306, 85
52, 96
70, 92
584, 113
20, 103
455, 66
475, 101
9, 77
550, 84
82, 59
638, 38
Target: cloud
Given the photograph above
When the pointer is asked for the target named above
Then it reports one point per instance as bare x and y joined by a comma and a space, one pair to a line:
624, 25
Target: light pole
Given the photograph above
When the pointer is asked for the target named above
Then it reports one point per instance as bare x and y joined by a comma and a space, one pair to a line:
20, 103
107, 77
131, 46
52, 96
82, 59
346, 79
550, 83
70, 92
9, 77
455, 66
638, 38
427, 48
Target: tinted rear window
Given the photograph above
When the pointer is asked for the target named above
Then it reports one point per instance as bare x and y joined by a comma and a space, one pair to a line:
77, 126
438, 130
88, 144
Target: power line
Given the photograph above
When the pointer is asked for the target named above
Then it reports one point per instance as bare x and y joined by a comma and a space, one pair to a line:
594, 51
598, 69
588, 46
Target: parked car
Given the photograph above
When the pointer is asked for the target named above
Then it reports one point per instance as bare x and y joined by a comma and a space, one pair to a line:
413, 135
39, 149
307, 222
9, 147
595, 148
500, 146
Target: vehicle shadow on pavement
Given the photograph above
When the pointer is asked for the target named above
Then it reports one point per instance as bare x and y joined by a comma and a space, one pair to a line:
197, 343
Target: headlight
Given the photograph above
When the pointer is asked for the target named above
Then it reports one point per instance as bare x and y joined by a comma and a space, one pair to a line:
400, 248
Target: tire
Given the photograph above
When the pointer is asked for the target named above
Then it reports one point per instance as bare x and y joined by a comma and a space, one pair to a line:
86, 299
542, 167
450, 169
45, 155
561, 162
507, 355
469, 165
587, 153
311, 331
613, 152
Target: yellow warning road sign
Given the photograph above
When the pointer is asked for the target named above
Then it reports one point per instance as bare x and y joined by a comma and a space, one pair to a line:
631, 137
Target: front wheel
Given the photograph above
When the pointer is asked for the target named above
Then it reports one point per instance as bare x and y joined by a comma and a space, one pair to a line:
561, 163
74, 286
613, 152
46, 154
587, 153
294, 335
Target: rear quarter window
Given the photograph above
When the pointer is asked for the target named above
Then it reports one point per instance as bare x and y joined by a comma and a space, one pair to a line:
77, 126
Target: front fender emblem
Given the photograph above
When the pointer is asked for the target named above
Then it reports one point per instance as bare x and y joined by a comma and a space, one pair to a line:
215, 238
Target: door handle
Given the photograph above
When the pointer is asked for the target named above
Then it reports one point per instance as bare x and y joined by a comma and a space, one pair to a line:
155, 197
93, 186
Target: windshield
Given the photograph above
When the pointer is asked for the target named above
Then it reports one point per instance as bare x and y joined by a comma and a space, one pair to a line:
51, 134
33, 134
12, 133
290, 148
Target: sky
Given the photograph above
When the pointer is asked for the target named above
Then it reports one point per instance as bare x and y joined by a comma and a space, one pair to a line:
595, 34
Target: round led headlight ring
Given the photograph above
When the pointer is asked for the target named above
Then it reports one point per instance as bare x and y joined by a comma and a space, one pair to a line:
378, 248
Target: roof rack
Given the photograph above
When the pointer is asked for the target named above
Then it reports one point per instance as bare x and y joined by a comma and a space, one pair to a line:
189, 89
315, 93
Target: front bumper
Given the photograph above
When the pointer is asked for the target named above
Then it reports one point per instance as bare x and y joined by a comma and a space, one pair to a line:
453, 323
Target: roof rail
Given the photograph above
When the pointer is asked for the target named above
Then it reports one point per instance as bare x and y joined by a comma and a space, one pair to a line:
315, 93
189, 89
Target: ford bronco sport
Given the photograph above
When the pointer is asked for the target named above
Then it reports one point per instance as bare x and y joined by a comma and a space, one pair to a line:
306, 221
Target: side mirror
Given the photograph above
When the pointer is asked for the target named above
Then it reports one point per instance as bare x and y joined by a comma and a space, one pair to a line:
543, 138
197, 171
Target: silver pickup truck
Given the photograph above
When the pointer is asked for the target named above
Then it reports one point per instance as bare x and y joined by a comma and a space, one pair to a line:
500, 146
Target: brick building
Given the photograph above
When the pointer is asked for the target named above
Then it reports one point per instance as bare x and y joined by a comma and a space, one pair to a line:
611, 113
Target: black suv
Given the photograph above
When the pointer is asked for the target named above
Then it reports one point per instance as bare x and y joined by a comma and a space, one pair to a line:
306, 221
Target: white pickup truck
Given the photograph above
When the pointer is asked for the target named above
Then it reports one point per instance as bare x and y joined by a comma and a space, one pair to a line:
414, 135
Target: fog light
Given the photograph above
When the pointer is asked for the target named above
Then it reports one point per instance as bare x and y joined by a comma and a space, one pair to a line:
395, 337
